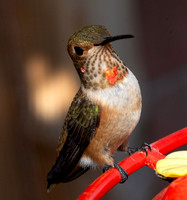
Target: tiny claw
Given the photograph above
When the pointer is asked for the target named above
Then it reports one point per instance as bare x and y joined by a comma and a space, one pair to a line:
132, 150
124, 174
106, 168
144, 145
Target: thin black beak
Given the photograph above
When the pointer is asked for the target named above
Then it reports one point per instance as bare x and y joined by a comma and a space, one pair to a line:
113, 38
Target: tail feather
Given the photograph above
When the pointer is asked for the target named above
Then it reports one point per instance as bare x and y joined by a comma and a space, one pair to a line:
57, 174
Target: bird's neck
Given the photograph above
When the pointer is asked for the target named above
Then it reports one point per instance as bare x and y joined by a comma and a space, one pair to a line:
103, 70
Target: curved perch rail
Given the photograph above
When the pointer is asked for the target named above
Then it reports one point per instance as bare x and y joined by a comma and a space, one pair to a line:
134, 162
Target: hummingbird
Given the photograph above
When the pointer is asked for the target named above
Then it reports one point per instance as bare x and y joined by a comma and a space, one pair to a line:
103, 113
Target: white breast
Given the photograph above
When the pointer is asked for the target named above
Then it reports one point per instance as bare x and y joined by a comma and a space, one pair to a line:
119, 96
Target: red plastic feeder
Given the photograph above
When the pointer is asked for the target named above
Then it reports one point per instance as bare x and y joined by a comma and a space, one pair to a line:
176, 190
136, 161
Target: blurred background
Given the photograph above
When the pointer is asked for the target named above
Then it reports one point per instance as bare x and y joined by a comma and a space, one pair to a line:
38, 82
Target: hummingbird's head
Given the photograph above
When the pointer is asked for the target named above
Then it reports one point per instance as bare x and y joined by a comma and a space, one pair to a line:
94, 57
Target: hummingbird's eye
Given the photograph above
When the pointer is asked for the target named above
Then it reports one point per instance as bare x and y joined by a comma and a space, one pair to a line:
79, 51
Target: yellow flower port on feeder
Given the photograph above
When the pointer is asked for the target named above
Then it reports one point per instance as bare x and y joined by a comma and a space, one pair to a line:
173, 165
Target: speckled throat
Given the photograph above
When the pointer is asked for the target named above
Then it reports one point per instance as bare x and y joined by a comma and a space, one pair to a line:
101, 69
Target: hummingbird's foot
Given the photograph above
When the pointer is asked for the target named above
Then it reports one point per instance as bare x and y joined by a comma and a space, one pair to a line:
144, 147
106, 168
123, 173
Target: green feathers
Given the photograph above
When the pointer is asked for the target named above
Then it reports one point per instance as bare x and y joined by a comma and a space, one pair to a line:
90, 34
84, 112
81, 120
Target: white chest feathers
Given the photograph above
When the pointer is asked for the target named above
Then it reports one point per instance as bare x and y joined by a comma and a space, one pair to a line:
120, 96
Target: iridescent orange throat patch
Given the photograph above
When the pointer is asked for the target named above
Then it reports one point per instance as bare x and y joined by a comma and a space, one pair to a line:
112, 75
